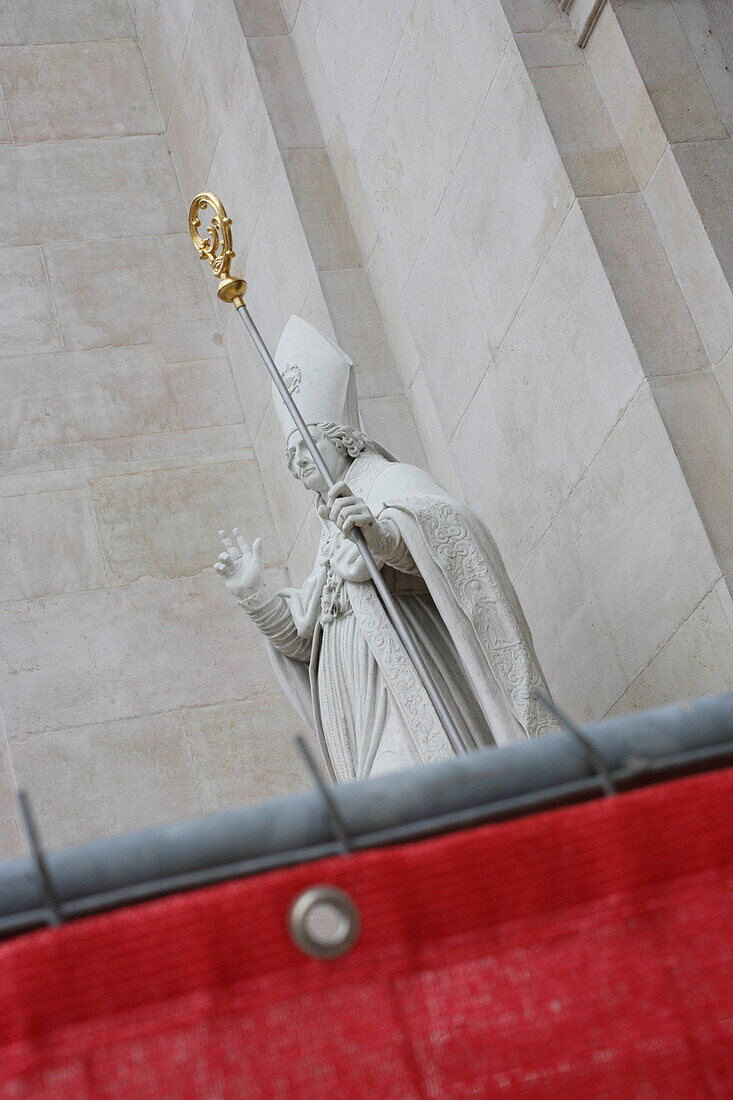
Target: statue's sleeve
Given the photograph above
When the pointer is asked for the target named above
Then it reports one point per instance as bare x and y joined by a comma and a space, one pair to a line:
272, 616
394, 550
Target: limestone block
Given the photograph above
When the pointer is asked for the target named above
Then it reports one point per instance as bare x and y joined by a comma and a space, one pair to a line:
165, 522
291, 112
389, 420
8, 33
27, 318
282, 249
163, 35
724, 374
260, 17
5, 133
108, 393
229, 441
72, 21
302, 556
226, 445
111, 292
68, 466
108, 777
432, 435
533, 15
640, 537
138, 9
222, 311
289, 500
86, 89
290, 9
119, 653
570, 633
65, 398
688, 247
589, 145
554, 46
26, 483
582, 15
311, 65
187, 341
315, 310
700, 426
450, 330
245, 157
555, 390
443, 67
625, 96
161, 71
267, 312
359, 331
649, 296
243, 752
321, 209
88, 190
249, 372
402, 9
313, 10
348, 180
695, 17
392, 312
10, 838
175, 20
696, 661
509, 195
670, 72
63, 523
708, 169
209, 62
357, 43
63, 466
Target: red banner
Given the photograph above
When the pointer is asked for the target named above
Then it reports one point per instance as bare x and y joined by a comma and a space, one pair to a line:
585, 952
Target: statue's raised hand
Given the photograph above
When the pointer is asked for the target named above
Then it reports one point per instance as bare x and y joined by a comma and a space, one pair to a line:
241, 565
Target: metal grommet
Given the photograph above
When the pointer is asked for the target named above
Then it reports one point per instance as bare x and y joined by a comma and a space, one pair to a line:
324, 922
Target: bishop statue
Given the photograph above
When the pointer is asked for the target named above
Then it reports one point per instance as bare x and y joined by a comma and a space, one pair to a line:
334, 650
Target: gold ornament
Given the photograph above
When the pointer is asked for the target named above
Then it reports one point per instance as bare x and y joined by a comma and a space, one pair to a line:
216, 246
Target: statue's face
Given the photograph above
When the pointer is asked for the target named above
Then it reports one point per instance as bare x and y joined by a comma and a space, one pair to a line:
301, 463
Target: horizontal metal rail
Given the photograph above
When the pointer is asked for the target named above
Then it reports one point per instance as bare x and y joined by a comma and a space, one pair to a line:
490, 785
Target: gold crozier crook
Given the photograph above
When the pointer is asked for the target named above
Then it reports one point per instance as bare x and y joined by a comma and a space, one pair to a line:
216, 246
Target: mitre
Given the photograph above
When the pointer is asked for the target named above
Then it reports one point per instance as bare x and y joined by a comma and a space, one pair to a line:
319, 375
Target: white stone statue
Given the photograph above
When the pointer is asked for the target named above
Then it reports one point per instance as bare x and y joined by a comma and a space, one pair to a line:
332, 646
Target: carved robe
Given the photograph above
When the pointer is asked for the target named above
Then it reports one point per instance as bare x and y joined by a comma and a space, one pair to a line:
342, 665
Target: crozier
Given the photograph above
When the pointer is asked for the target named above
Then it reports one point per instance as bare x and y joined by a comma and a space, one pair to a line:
334, 650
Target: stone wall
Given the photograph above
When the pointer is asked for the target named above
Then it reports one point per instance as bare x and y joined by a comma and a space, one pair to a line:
553, 225
553, 295
133, 689
523, 244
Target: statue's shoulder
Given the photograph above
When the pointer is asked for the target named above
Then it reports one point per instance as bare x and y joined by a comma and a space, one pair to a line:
398, 481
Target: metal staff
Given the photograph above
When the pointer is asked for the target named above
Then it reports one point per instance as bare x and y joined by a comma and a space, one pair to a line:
217, 248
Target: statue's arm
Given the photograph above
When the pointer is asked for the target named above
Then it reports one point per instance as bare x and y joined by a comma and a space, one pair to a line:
242, 569
393, 549
348, 511
272, 617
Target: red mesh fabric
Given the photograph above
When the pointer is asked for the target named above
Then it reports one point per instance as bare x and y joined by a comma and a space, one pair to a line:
580, 953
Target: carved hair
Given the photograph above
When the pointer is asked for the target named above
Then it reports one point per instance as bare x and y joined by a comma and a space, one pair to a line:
346, 440
349, 441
